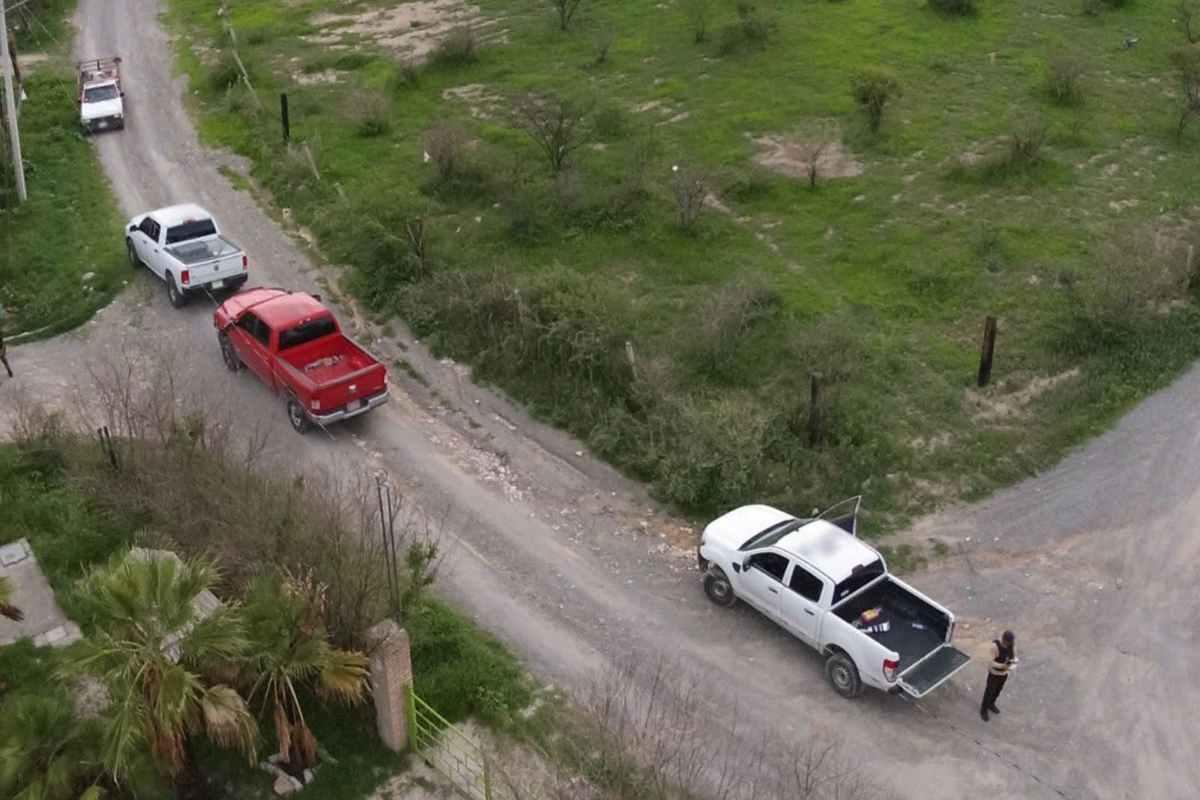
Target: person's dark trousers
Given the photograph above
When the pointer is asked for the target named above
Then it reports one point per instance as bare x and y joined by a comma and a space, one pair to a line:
995, 683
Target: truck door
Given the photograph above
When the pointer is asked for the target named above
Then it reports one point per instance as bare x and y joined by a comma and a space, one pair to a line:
844, 515
800, 606
145, 241
251, 338
762, 582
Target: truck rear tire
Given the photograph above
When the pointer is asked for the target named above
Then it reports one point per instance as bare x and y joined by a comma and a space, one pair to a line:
177, 298
228, 354
843, 675
300, 421
718, 588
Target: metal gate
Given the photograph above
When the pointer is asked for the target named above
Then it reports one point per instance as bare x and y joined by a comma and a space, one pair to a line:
447, 749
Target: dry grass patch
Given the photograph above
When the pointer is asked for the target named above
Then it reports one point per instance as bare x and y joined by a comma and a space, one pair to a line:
792, 157
412, 31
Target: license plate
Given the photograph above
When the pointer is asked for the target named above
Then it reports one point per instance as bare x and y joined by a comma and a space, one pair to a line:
218, 284
102, 124
355, 405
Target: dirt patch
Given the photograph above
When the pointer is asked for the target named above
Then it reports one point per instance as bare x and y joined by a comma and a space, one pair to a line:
411, 30
483, 103
791, 157
323, 77
994, 407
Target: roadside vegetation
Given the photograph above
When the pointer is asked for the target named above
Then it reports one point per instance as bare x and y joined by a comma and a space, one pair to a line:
653, 223
297, 561
58, 259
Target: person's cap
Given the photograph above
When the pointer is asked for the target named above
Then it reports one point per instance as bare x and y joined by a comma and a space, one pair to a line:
1008, 636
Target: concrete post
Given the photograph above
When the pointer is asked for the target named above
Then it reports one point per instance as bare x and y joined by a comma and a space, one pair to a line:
391, 675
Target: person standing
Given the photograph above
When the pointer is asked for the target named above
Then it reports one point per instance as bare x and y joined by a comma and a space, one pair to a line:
1004, 660
3, 351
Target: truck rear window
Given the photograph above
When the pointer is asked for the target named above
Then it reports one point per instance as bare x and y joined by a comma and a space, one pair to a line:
859, 578
191, 230
306, 332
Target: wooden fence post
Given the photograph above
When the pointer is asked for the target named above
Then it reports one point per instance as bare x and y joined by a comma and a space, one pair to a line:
283, 116
986, 351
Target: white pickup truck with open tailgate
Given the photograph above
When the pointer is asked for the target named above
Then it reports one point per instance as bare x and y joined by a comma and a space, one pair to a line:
831, 590
182, 246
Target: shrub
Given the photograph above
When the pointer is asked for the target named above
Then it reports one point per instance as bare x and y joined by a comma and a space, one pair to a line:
370, 112
1187, 66
690, 188
446, 146
225, 73
873, 88
601, 44
751, 30
565, 11
557, 125
459, 48
1064, 76
1185, 12
960, 7
723, 322
610, 123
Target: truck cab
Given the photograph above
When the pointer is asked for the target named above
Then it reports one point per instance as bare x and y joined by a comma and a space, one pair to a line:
816, 579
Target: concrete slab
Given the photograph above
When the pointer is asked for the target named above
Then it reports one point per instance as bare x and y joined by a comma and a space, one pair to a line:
44, 621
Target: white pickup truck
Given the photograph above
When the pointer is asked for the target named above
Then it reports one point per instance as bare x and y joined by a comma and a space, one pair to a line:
828, 588
98, 91
183, 246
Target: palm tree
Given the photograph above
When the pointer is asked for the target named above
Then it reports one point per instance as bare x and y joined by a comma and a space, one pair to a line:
48, 754
291, 651
155, 650
6, 594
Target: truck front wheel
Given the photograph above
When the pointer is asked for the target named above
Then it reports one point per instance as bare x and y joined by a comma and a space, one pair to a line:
228, 354
718, 588
843, 675
134, 261
297, 417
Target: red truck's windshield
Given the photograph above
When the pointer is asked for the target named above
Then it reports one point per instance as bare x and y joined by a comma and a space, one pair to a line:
307, 332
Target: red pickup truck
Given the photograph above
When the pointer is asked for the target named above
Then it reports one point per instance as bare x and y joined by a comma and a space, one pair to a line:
294, 344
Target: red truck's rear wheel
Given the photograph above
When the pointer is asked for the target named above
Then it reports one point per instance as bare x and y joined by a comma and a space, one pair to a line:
297, 417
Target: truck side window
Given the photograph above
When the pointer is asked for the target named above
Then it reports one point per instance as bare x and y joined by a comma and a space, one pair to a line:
148, 228
773, 564
805, 584
256, 328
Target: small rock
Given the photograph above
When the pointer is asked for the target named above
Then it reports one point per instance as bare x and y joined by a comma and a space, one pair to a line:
860, 198
286, 784
87, 276
579, 453
309, 776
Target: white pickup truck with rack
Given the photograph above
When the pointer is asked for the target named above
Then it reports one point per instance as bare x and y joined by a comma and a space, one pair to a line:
99, 94
828, 588
183, 246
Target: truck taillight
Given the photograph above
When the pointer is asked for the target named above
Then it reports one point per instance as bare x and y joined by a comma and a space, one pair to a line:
315, 405
889, 669
184, 277
245, 263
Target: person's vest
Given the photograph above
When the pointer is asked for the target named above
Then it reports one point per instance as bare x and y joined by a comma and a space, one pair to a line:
1000, 665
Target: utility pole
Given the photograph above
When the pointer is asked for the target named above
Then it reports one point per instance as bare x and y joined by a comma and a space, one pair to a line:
10, 107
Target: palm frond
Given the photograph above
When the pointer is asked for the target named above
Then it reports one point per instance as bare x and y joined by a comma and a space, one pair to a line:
227, 720
344, 676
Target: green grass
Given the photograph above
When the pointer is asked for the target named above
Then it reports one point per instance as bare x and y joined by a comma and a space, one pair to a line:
41, 25
66, 229
881, 280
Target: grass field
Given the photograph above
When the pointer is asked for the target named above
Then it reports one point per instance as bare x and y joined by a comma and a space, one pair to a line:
59, 260
682, 353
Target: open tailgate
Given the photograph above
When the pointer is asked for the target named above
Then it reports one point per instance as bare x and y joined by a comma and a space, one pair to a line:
933, 670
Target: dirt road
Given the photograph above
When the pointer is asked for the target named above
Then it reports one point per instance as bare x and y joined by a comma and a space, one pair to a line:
1094, 564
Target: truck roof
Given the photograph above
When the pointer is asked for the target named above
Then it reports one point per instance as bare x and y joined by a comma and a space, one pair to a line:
828, 548
278, 308
170, 216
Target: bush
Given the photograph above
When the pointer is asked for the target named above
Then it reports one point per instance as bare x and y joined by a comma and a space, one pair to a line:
370, 112
751, 30
459, 48
873, 88
610, 123
1064, 76
690, 188
960, 7
724, 321
446, 146
601, 44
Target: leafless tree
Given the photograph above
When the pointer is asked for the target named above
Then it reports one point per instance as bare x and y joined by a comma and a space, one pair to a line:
557, 125
698, 14
1187, 65
446, 146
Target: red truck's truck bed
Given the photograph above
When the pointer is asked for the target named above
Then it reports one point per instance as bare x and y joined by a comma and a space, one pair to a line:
295, 345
